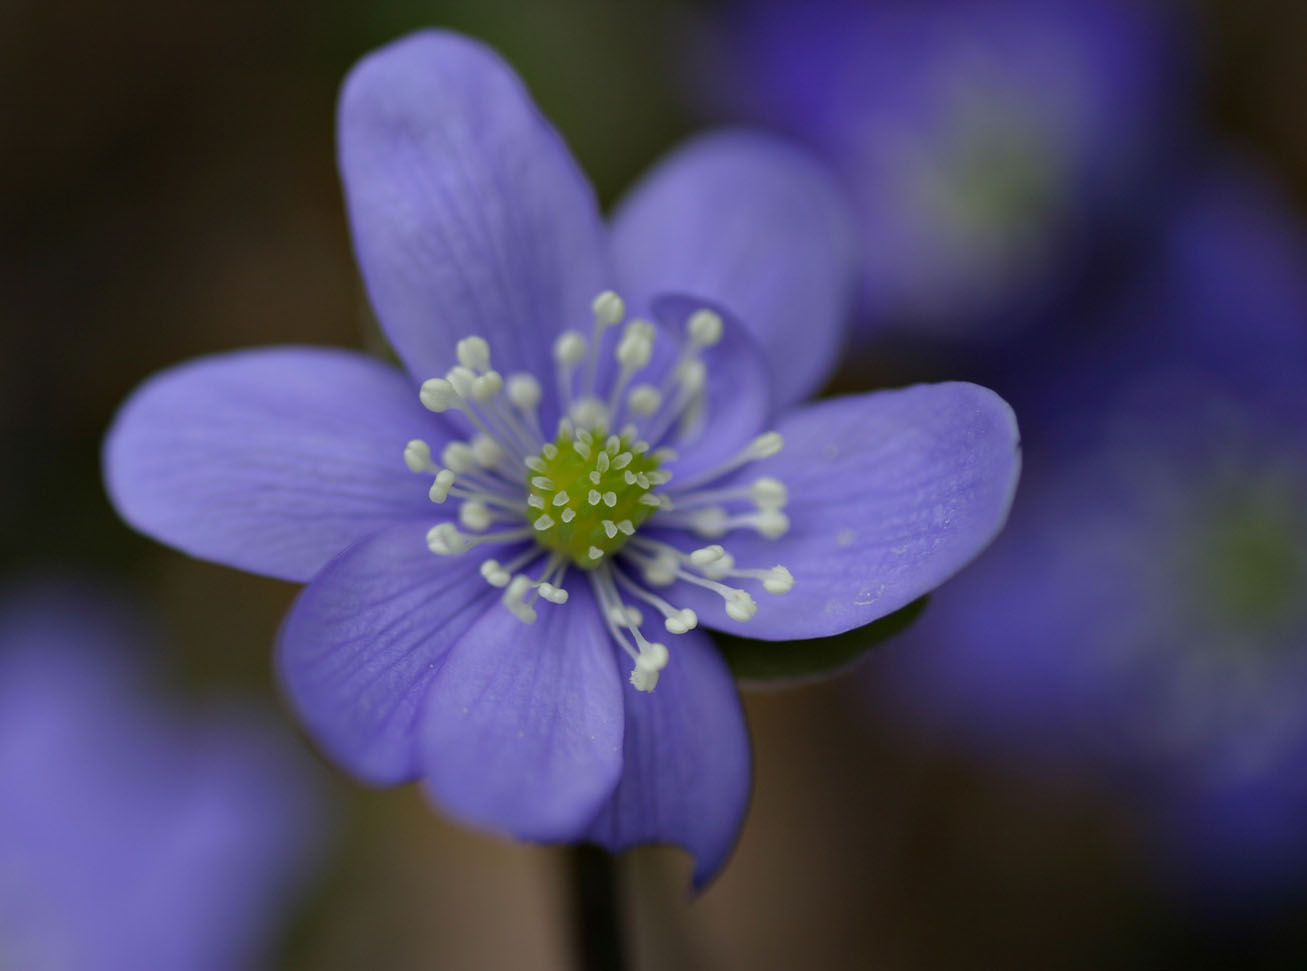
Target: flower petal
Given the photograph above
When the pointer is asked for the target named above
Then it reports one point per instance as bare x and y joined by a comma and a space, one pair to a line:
890, 494
271, 460
755, 224
469, 214
359, 650
522, 730
686, 766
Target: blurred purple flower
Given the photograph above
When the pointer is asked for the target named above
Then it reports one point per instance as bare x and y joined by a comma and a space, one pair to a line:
1145, 608
481, 243
987, 145
130, 836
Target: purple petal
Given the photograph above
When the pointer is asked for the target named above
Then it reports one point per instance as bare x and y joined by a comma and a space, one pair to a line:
469, 215
522, 730
271, 460
363, 642
754, 224
890, 494
686, 771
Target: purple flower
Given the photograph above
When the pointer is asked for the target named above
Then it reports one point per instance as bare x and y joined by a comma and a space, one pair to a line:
1144, 610
131, 837
581, 478
987, 145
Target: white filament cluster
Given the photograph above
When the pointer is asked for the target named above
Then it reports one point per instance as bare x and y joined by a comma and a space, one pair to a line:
498, 477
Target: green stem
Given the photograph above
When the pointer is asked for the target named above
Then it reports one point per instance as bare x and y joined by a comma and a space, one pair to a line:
596, 922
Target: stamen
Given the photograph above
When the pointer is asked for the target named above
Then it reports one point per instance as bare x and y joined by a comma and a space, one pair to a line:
417, 456
499, 576
475, 515
677, 621
644, 399
609, 309
569, 351
704, 328
764, 446
444, 539
474, 353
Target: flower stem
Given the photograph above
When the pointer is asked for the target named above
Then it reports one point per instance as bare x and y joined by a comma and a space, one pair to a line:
596, 923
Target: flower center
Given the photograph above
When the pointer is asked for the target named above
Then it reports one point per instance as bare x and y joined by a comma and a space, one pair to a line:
579, 498
590, 493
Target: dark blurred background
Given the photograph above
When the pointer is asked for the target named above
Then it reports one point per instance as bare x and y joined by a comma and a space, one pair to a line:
168, 189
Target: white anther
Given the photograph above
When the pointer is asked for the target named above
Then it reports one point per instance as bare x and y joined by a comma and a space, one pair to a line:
705, 327
439, 490
766, 445
536, 464
680, 622
608, 308
778, 580
463, 379
602, 461
595, 553
641, 327
610, 499
524, 391
475, 515
710, 521
459, 456
513, 599
718, 568
444, 539
649, 499
740, 606
692, 375
535, 502
623, 460
707, 554
589, 412
544, 522
569, 348
417, 456
549, 450
610, 528
494, 574
487, 451
634, 350
648, 664
568, 514
769, 493
561, 499
595, 497
437, 394
473, 352
487, 386
660, 572
626, 526
644, 399
555, 595
543, 483
772, 523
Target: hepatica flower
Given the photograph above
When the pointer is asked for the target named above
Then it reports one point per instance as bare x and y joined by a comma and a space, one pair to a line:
514, 548
987, 146
130, 836
1162, 630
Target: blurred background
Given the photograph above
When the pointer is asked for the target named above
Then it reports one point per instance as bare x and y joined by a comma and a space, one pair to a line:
1092, 749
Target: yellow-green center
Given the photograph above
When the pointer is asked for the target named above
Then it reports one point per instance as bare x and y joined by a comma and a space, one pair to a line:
590, 493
